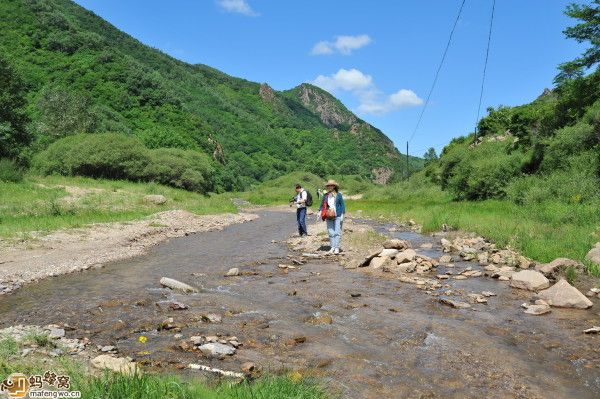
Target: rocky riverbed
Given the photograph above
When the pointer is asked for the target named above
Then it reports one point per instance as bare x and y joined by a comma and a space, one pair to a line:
423, 323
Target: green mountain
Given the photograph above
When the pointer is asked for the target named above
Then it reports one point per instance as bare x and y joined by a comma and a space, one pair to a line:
82, 75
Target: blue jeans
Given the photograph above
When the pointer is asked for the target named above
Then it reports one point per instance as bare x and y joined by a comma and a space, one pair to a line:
334, 228
301, 219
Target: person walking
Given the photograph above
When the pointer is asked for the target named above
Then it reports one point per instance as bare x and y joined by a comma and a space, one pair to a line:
333, 209
300, 200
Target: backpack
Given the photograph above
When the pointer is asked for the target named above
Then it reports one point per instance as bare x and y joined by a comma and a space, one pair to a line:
309, 200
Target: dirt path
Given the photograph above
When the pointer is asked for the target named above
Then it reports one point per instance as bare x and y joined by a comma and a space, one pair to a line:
365, 334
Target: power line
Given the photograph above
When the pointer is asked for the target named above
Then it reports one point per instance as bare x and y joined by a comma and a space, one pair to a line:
487, 56
437, 73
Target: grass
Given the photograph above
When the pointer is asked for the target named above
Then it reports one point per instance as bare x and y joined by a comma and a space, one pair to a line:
143, 385
542, 232
280, 190
42, 204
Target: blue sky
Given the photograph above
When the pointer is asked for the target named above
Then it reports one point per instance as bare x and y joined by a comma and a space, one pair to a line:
378, 57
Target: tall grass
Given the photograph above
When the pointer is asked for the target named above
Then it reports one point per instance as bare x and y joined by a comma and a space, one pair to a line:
43, 204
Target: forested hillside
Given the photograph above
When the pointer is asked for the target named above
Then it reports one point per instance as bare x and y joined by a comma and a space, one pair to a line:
70, 76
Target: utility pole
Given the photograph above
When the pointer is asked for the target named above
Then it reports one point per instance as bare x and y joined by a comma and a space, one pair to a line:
407, 171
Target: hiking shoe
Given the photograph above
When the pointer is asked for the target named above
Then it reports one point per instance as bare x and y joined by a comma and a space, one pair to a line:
336, 251
331, 251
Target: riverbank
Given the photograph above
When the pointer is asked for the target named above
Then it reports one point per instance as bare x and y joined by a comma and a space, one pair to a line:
93, 246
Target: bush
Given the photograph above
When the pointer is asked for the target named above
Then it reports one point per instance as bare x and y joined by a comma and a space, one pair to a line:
118, 156
567, 142
575, 184
480, 173
10, 171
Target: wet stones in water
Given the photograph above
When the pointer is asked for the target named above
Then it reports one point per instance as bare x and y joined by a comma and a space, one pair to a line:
488, 293
212, 318
477, 298
178, 306
177, 285
320, 318
454, 304
529, 280
563, 294
539, 308
445, 259
234, 271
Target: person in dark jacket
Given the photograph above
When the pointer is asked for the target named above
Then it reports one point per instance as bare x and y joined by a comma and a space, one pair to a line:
333, 209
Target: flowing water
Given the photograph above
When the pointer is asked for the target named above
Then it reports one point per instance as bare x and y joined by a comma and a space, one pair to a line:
392, 341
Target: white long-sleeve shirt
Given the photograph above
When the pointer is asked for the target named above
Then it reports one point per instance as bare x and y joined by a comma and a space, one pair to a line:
301, 199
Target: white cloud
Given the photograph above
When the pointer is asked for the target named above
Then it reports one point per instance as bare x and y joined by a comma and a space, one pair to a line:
344, 79
237, 6
342, 44
371, 99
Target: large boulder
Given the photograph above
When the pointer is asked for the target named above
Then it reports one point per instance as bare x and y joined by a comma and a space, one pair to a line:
395, 243
216, 349
564, 295
116, 364
380, 261
389, 252
594, 254
405, 256
529, 280
155, 199
557, 266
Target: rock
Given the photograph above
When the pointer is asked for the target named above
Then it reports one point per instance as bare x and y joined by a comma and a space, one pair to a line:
176, 285
405, 256
389, 252
529, 280
215, 349
426, 245
355, 294
234, 271
483, 258
477, 298
488, 293
402, 268
461, 277
212, 318
445, 259
593, 330
56, 333
504, 273
442, 277
563, 294
537, 309
108, 348
178, 306
593, 292
248, 368
366, 261
116, 364
379, 261
197, 340
320, 318
554, 268
594, 254
396, 244
455, 304
155, 199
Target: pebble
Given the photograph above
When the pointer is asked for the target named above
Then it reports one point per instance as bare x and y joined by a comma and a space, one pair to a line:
234, 271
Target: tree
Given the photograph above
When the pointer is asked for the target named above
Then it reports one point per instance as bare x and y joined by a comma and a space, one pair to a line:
430, 155
587, 30
14, 135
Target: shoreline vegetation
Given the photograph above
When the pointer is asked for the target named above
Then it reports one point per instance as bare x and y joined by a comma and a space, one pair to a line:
542, 232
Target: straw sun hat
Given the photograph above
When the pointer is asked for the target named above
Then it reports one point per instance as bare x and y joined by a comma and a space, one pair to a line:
332, 183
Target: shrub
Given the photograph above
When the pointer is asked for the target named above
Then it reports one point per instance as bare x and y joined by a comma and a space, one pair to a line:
481, 172
118, 156
161, 138
575, 184
10, 171
567, 142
